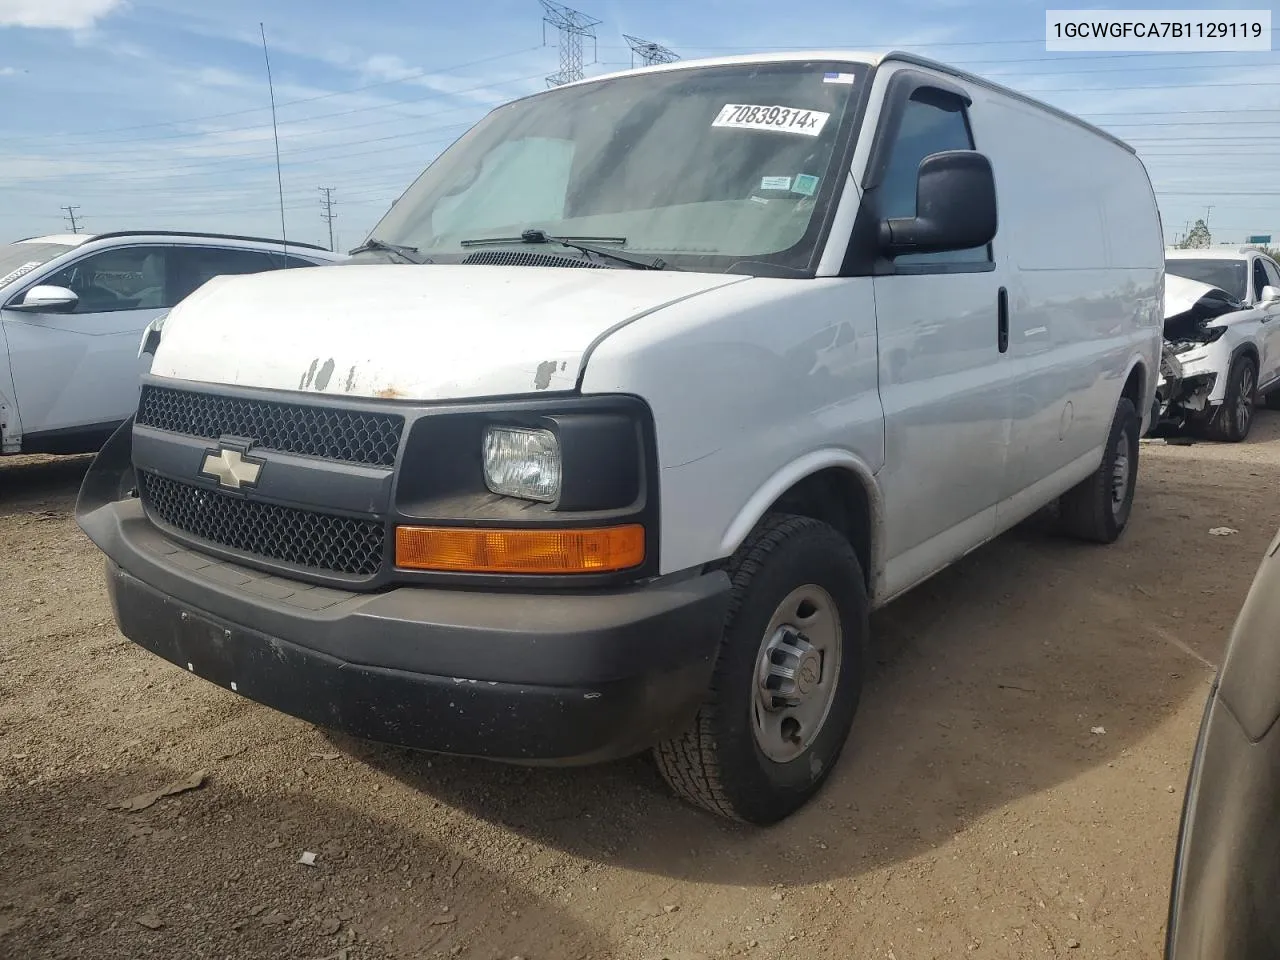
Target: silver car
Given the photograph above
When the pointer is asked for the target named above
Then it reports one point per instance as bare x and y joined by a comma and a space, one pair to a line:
72, 312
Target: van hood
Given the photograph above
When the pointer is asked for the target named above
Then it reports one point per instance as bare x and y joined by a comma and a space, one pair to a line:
419, 332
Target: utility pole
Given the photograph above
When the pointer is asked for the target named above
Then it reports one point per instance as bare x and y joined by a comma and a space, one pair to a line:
573, 26
649, 53
328, 216
71, 217
1207, 210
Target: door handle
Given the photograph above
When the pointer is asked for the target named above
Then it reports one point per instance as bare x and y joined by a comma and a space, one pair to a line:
1002, 314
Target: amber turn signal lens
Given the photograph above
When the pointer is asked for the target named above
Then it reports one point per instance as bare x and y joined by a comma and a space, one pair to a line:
471, 550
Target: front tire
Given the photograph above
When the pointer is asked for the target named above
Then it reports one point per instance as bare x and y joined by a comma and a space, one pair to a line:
1098, 508
1230, 423
787, 681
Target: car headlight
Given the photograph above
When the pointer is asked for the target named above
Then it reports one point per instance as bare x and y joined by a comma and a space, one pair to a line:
523, 463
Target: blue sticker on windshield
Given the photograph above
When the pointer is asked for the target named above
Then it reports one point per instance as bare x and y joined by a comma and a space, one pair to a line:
804, 184
837, 78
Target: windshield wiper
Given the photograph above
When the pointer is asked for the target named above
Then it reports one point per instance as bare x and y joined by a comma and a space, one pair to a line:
585, 244
408, 254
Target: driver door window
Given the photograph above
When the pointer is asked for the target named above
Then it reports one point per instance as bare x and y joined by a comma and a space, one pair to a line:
932, 122
130, 278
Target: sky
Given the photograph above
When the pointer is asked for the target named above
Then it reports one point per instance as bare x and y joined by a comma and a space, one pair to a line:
156, 114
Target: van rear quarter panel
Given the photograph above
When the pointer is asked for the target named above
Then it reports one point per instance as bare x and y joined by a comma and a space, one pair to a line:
748, 384
1080, 231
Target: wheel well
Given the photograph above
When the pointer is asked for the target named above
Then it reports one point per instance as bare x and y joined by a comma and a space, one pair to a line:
1247, 350
1134, 388
837, 497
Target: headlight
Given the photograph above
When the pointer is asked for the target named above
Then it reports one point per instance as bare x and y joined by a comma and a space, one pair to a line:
523, 463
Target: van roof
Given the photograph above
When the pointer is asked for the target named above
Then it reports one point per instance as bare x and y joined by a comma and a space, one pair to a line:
1209, 253
872, 59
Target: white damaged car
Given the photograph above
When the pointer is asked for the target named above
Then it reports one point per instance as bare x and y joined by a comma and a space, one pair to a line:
1221, 354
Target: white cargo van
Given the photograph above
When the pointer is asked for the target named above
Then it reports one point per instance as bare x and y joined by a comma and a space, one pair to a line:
636, 403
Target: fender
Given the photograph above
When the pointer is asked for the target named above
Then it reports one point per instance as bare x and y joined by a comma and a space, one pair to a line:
1146, 403
1248, 346
792, 473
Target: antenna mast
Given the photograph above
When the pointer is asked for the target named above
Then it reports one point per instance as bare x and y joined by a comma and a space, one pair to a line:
275, 135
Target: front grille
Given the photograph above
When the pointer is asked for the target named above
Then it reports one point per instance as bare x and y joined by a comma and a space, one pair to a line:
303, 538
334, 434
514, 258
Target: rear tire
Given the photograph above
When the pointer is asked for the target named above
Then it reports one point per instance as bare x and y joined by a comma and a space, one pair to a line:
1272, 400
787, 680
1098, 508
1230, 423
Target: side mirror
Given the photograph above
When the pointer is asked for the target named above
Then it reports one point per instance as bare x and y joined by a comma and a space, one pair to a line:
1270, 294
42, 299
955, 207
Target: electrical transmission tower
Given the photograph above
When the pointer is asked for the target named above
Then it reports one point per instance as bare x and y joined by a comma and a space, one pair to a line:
326, 201
71, 218
648, 53
573, 27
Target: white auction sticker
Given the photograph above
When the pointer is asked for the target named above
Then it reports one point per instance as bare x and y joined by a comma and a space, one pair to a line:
749, 116
21, 271
1157, 31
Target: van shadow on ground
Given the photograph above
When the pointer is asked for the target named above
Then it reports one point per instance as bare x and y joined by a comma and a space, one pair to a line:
218, 871
991, 676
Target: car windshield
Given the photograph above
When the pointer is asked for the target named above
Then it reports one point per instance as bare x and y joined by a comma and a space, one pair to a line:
1231, 275
705, 167
19, 259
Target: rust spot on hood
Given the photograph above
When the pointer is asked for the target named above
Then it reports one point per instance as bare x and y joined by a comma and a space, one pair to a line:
389, 393
308, 375
322, 377
542, 379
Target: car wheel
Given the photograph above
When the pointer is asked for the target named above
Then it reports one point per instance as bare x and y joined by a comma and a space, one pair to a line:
787, 681
1098, 508
1230, 423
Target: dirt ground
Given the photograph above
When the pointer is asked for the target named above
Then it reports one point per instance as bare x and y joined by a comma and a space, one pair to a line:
980, 809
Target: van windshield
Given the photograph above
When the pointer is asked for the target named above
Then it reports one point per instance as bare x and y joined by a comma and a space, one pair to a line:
1229, 275
705, 167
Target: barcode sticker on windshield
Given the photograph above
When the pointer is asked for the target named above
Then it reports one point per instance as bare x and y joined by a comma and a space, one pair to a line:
747, 116
22, 270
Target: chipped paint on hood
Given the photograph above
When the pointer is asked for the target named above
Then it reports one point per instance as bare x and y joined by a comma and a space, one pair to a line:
439, 332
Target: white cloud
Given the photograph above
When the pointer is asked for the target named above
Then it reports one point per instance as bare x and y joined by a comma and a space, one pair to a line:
60, 14
9, 71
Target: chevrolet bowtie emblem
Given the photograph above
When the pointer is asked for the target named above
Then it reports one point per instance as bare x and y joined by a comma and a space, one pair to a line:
231, 468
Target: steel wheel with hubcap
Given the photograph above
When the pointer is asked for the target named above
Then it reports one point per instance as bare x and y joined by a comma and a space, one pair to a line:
1120, 474
787, 680
1098, 508
796, 673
